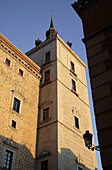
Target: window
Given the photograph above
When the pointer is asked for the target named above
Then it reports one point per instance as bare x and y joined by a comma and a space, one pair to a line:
7, 61
8, 159
47, 76
72, 66
16, 104
76, 122
21, 72
79, 168
73, 85
47, 57
44, 165
46, 113
13, 124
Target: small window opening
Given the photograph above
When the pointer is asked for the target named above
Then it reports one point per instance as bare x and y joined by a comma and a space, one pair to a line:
47, 76
21, 72
7, 61
76, 122
16, 104
47, 57
13, 124
46, 113
73, 85
44, 165
72, 66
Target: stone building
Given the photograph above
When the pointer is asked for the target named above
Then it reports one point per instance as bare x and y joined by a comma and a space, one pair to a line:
19, 97
96, 17
64, 111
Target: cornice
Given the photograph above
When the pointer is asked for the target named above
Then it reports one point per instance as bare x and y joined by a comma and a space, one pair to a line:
43, 44
71, 51
11, 49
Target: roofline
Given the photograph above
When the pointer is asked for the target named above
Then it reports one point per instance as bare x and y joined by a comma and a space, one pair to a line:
33, 50
19, 52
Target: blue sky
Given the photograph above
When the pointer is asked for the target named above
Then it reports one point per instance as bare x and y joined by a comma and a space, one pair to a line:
23, 21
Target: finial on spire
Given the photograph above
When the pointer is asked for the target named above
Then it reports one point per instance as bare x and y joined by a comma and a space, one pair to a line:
51, 32
51, 24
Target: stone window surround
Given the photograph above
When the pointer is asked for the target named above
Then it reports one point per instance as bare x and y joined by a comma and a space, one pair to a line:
9, 66
73, 90
10, 148
49, 52
74, 85
46, 76
75, 113
11, 124
44, 155
16, 93
19, 72
72, 66
76, 122
45, 112
43, 106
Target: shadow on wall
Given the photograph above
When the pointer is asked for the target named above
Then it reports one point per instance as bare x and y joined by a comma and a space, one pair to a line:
21, 157
67, 160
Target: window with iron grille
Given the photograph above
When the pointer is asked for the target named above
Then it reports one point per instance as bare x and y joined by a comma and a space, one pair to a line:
8, 159
46, 113
16, 104
47, 56
7, 61
72, 66
73, 85
76, 122
21, 72
47, 76
44, 165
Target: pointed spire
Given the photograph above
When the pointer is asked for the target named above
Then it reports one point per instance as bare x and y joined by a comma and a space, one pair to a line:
51, 25
51, 32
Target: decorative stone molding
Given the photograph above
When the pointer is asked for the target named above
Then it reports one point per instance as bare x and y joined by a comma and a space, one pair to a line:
18, 92
11, 143
44, 153
47, 101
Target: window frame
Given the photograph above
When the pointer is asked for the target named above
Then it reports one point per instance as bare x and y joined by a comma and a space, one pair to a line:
47, 164
44, 117
16, 108
16, 95
74, 85
72, 66
11, 124
6, 147
20, 70
49, 55
9, 65
76, 123
48, 79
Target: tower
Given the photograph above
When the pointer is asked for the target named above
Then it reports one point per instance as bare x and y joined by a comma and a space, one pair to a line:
64, 111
